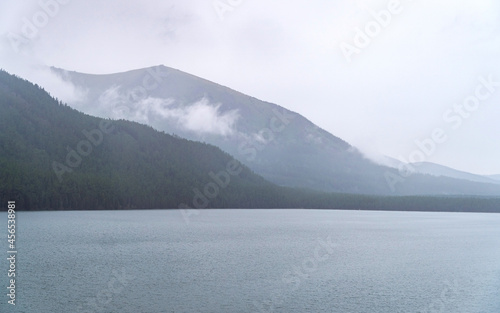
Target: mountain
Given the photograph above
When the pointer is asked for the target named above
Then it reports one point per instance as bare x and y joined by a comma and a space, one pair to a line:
494, 177
441, 170
282, 146
438, 170
53, 157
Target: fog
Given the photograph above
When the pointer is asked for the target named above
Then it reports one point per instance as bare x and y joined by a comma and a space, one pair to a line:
382, 75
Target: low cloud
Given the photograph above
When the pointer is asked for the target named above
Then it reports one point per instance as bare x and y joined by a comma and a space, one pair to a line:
61, 87
201, 117
53, 83
115, 105
32, 69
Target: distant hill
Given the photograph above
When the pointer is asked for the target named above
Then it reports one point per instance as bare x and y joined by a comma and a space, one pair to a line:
495, 177
438, 170
441, 170
282, 146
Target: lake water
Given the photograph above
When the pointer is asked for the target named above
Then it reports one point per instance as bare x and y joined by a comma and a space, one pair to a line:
255, 261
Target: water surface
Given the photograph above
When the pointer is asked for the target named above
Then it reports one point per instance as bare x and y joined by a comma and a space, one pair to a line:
256, 261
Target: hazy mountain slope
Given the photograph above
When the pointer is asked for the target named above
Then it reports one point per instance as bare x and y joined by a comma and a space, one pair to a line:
301, 154
437, 170
441, 170
495, 177
278, 144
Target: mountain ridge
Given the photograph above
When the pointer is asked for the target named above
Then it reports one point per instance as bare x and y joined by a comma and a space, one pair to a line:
300, 154
435, 169
442, 170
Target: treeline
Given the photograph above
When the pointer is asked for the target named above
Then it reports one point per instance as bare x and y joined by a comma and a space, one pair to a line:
53, 157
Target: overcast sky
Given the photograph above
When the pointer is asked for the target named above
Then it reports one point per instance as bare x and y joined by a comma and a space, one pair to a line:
378, 74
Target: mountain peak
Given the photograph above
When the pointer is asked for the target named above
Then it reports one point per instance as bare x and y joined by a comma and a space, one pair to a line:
278, 144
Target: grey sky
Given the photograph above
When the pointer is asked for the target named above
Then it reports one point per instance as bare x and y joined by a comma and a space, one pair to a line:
399, 86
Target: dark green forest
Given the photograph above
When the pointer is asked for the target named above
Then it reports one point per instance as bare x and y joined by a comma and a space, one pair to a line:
53, 157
